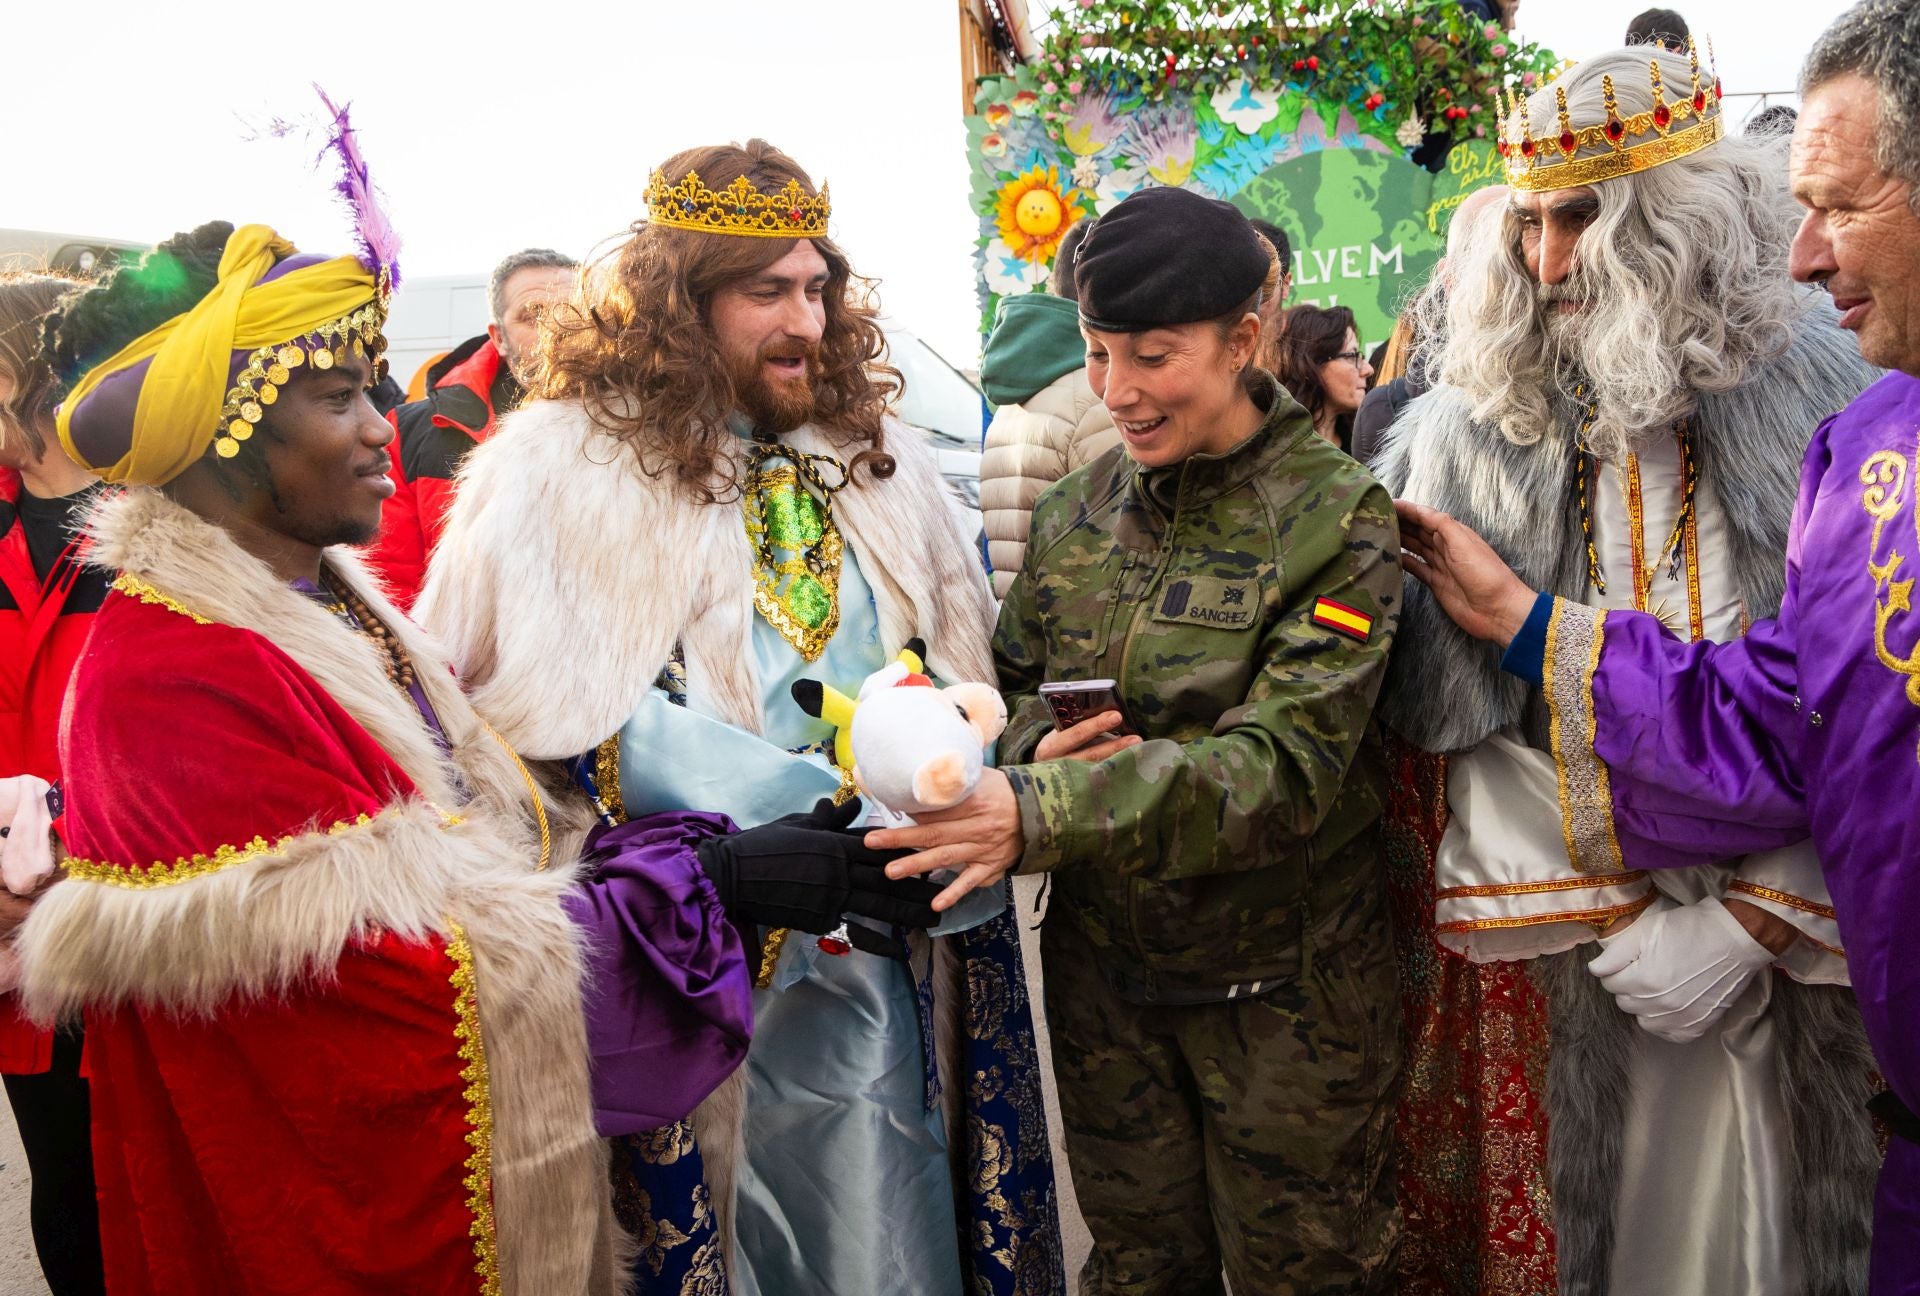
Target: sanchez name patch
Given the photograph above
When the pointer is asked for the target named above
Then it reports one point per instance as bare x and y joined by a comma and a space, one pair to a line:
1351, 622
1210, 601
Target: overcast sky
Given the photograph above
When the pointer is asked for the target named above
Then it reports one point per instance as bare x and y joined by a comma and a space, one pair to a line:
132, 121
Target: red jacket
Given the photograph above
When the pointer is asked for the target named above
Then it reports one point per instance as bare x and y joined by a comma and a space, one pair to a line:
43, 628
467, 391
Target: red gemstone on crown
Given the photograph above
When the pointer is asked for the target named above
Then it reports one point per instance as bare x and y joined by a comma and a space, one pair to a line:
1615, 129
1716, 89
1503, 146
1526, 148
793, 213
1662, 116
1699, 101
1568, 143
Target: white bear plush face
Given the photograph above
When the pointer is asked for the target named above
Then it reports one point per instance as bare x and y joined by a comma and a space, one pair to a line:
918, 748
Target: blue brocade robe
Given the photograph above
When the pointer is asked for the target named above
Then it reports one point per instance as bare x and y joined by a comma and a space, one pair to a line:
846, 1181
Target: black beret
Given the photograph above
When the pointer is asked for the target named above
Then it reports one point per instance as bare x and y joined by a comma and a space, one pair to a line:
1167, 256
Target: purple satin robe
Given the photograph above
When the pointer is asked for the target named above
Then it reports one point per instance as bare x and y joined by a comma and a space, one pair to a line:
1807, 727
669, 995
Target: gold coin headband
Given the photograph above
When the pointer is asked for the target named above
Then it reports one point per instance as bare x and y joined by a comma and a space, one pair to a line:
271, 367
1618, 146
738, 209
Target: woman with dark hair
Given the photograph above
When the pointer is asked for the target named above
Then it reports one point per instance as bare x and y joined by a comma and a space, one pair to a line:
1219, 973
1316, 355
48, 596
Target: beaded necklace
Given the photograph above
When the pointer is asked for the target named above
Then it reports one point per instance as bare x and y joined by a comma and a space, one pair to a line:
353, 610
1675, 550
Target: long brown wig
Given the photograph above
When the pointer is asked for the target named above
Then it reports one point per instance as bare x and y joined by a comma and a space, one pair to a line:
636, 344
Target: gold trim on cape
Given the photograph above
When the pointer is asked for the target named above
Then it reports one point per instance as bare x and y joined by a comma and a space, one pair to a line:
133, 587
479, 1096
165, 873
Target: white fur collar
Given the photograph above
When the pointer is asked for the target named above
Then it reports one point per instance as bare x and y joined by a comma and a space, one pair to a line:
565, 577
146, 535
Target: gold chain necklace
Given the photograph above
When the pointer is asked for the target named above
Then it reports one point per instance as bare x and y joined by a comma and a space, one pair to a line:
1674, 552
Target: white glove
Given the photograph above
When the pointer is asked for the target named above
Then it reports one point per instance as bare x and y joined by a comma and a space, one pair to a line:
26, 854
1678, 967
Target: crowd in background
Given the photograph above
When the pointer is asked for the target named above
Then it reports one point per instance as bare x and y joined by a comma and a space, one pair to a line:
1447, 753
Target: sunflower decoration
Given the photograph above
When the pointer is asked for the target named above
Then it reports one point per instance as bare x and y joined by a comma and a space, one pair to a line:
1034, 212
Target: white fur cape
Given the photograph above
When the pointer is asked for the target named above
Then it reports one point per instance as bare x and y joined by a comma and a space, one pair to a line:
285, 917
565, 576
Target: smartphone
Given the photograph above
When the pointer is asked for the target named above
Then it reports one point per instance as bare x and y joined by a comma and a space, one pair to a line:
1072, 701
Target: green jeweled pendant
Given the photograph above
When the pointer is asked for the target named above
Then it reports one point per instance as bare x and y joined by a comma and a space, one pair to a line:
797, 553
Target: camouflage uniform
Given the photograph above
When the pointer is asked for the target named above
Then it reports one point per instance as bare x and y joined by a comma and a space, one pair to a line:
1220, 982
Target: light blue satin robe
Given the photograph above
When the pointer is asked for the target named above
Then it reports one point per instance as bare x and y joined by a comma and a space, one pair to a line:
845, 1185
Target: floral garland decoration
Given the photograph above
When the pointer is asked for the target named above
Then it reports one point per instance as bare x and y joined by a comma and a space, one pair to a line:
1424, 59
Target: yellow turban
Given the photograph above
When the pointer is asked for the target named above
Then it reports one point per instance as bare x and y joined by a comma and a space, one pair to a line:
183, 397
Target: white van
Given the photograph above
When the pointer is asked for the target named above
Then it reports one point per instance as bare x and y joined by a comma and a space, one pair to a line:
46, 252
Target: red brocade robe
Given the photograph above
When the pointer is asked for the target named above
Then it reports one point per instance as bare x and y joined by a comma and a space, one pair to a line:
333, 1008
1474, 1189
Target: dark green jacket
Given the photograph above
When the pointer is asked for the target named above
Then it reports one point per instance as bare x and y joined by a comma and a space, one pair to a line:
1243, 832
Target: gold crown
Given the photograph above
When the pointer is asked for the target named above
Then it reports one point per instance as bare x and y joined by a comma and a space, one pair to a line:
1619, 145
738, 209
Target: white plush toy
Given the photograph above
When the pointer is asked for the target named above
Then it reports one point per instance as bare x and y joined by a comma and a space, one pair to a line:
910, 746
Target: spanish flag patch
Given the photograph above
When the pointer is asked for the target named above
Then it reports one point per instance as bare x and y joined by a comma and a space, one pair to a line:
1351, 622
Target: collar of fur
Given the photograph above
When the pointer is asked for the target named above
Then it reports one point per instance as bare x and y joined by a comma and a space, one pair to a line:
565, 576
1445, 691
145, 534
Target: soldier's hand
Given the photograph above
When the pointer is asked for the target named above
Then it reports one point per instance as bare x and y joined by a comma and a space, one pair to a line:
1468, 579
1091, 740
980, 837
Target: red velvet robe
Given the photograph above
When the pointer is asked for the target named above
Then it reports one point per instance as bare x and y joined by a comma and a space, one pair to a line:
311, 1142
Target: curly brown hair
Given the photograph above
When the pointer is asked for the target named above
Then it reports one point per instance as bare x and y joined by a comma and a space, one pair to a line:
636, 345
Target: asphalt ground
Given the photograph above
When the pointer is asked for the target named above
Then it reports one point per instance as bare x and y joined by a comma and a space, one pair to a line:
19, 1271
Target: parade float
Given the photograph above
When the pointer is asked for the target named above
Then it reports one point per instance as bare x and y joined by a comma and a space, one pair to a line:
1315, 117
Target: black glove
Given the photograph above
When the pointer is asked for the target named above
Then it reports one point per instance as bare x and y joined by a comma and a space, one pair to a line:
808, 870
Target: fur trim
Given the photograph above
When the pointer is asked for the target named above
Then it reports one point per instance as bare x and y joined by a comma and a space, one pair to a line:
1825, 1070
1445, 691
720, 1132
1590, 1055
561, 563
1826, 1078
286, 916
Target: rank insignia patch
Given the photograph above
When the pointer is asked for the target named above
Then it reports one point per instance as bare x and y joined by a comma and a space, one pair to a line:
1338, 616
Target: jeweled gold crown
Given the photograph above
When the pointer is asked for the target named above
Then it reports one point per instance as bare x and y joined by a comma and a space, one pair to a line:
1619, 145
738, 209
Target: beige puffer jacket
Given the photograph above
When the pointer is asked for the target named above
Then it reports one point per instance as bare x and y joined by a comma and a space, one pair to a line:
1030, 446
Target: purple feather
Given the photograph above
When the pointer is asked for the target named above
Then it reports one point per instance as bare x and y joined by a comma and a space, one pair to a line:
379, 242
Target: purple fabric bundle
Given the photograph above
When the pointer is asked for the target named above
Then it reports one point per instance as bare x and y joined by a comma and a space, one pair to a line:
669, 992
